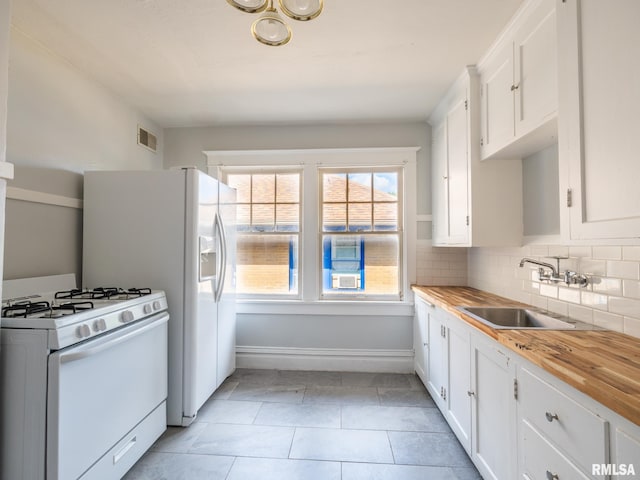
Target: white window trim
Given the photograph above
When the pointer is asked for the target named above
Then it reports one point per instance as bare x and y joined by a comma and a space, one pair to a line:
310, 160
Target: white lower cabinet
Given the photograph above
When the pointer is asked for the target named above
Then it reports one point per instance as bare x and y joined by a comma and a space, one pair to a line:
493, 412
459, 378
421, 337
515, 420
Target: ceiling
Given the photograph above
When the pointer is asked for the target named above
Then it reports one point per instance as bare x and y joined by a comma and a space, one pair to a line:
195, 63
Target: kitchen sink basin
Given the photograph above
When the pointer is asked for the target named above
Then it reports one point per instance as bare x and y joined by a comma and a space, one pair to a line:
516, 318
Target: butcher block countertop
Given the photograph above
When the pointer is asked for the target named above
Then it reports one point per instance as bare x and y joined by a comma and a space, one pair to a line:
600, 363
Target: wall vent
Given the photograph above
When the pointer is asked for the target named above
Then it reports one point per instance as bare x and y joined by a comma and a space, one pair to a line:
147, 139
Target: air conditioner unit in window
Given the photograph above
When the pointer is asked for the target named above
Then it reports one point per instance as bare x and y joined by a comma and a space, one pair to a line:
345, 280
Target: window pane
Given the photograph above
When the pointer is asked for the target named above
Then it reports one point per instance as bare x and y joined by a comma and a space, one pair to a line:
243, 217
263, 217
359, 187
334, 187
359, 217
385, 216
334, 217
242, 183
360, 264
263, 189
288, 217
267, 264
288, 188
385, 187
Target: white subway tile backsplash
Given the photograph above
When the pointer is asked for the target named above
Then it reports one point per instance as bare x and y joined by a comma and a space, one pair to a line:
632, 326
580, 251
569, 295
625, 306
558, 251
607, 252
594, 300
631, 253
607, 286
608, 320
584, 314
588, 266
560, 308
623, 269
631, 288
548, 290
539, 251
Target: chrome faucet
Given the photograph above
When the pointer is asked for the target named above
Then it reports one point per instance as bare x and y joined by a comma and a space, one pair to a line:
568, 277
554, 270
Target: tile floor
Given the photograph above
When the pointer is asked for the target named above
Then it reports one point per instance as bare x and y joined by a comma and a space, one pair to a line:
293, 425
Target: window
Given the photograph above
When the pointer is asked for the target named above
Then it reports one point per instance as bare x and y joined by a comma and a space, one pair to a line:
360, 215
268, 235
317, 226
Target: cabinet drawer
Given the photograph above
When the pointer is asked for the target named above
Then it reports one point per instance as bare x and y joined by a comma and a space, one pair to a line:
576, 431
540, 461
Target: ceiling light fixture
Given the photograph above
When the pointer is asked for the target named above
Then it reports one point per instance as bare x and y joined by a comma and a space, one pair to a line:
270, 28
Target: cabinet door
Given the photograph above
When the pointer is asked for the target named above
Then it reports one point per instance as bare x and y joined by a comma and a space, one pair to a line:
497, 100
459, 398
535, 81
439, 184
493, 410
458, 178
421, 338
598, 119
437, 365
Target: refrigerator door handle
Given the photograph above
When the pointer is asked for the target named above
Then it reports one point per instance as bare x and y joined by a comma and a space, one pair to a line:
222, 235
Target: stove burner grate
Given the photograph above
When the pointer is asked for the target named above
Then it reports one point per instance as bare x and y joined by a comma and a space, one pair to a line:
23, 309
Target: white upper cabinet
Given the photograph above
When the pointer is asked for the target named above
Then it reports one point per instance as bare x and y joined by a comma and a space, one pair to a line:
474, 203
519, 85
598, 121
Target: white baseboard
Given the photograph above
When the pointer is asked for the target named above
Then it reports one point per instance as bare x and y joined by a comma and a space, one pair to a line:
328, 359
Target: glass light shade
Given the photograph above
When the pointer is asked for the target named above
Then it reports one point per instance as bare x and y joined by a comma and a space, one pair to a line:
302, 10
270, 29
249, 6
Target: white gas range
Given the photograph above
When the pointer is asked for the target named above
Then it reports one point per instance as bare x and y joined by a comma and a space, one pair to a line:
83, 381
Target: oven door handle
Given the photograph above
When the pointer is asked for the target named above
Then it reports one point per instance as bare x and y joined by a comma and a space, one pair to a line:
110, 340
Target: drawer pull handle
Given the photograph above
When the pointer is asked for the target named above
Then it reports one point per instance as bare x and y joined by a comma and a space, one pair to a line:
552, 476
551, 416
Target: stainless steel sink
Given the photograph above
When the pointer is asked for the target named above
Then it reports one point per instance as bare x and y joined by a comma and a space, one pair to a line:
516, 318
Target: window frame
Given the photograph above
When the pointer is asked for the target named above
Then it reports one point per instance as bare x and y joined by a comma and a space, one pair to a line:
309, 160
224, 173
398, 232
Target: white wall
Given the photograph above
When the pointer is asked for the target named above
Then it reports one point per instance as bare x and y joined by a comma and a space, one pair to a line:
4, 88
59, 124
308, 329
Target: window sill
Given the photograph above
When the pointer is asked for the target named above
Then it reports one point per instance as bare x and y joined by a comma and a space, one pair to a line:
325, 307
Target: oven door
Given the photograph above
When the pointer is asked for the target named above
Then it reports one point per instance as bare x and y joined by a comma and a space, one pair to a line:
100, 390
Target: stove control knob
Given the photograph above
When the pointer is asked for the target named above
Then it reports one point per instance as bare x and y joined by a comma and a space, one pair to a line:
147, 309
83, 331
126, 316
99, 325
156, 305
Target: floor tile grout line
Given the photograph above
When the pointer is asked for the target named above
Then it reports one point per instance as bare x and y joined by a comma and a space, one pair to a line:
393, 455
231, 468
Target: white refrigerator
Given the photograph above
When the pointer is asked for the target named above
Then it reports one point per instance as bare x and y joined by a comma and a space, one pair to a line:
172, 230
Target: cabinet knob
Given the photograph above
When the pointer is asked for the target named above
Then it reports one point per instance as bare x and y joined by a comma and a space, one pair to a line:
551, 416
470, 393
552, 476
514, 87
444, 177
